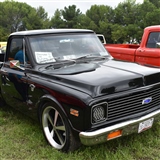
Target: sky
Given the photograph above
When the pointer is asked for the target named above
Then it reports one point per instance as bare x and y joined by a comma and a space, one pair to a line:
50, 6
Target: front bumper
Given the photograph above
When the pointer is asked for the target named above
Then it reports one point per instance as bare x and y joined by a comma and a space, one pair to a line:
128, 127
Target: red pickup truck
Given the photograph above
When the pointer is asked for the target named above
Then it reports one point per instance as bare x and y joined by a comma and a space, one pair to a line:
148, 52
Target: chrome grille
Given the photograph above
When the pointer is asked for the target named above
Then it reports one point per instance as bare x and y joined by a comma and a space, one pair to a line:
98, 114
129, 105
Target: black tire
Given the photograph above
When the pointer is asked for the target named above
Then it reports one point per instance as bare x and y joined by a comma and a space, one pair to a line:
56, 129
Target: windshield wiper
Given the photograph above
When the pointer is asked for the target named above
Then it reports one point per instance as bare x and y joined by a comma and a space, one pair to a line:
60, 64
84, 56
91, 56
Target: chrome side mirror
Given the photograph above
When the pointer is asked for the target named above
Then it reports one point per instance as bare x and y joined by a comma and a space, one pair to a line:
16, 64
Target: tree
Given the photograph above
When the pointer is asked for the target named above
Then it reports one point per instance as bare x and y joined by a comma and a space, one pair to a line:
134, 33
3, 35
126, 13
105, 29
32, 21
125, 23
43, 16
148, 14
101, 17
155, 2
70, 16
56, 20
83, 21
119, 33
11, 14
17, 16
100, 13
153, 18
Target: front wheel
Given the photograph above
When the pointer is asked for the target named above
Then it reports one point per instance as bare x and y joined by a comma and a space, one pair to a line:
56, 128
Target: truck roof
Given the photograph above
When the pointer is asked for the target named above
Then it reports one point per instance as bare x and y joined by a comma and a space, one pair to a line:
51, 31
156, 27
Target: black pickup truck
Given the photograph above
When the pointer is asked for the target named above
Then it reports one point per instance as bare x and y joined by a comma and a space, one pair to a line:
65, 79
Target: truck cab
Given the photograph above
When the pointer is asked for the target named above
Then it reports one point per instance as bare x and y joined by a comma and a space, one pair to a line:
149, 50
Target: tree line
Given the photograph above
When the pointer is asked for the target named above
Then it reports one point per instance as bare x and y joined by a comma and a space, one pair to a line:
122, 24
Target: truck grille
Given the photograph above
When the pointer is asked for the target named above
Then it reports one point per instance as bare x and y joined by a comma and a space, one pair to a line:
131, 105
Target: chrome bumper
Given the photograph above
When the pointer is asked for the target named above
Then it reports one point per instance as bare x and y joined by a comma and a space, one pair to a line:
128, 127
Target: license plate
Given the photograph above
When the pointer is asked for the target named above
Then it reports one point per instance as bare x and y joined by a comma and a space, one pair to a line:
145, 125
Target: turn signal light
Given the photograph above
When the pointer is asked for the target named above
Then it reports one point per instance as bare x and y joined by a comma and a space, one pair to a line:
114, 134
74, 112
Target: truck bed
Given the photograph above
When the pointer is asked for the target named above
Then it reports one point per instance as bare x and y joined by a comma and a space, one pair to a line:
124, 52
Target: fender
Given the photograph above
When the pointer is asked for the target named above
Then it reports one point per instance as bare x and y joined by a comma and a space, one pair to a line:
48, 98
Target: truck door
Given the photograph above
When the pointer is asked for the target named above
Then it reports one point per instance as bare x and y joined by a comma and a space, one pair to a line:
15, 87
150, 53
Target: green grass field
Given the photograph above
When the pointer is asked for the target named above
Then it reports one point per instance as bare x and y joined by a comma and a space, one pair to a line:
22, 139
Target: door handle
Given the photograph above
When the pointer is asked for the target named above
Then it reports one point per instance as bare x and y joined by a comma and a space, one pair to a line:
140, 50
32, 86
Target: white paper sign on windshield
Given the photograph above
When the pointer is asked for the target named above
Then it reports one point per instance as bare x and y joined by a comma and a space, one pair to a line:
44, 57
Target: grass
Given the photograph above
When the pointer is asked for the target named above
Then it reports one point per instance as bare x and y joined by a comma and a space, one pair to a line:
22, 139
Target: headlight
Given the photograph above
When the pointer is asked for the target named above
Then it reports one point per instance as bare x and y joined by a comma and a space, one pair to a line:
99, 113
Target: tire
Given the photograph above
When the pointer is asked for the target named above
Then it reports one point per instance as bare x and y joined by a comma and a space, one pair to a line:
56, 129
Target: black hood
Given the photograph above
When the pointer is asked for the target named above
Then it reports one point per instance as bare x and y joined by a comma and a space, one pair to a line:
102, 78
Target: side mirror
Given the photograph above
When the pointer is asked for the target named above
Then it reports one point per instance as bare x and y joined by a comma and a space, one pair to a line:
158, 45
15, 64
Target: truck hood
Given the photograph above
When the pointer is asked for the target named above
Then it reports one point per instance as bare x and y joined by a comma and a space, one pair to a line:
103, 77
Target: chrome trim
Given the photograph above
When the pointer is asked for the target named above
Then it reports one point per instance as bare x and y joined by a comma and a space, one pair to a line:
128, 127
119, 94
100, 104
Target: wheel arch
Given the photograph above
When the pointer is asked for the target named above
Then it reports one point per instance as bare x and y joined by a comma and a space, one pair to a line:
49, 98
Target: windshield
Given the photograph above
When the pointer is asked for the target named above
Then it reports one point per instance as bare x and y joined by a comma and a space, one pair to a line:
52, 48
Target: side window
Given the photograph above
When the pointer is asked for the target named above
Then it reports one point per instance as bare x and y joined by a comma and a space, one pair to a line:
153, 40
16, 45
17, 50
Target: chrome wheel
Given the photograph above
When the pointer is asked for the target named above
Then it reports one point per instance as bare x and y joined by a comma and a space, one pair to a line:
57, 129
54, 127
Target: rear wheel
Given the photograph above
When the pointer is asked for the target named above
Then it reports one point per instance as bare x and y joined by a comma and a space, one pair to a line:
56, 128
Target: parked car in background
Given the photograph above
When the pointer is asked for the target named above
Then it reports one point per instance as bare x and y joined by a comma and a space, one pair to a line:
147, 53
2, 44
3, 49
2, 53
102, 38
